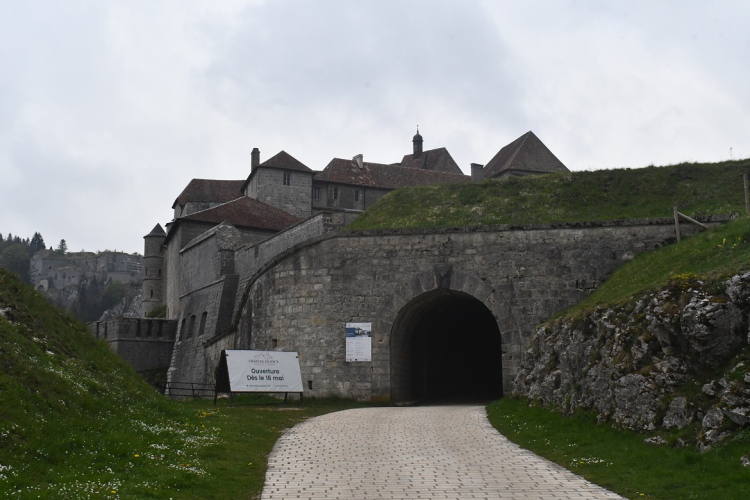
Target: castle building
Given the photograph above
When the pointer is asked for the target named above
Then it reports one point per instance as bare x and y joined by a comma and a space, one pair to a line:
225, 231
282, 191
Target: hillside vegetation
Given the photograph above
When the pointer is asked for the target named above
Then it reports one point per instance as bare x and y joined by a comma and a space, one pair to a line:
711, 256
77, 422
697, 189
74, 418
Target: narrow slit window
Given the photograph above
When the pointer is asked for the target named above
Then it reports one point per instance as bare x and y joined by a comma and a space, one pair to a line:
287, 179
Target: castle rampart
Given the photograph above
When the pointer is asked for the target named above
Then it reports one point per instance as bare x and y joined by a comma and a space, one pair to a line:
302, 298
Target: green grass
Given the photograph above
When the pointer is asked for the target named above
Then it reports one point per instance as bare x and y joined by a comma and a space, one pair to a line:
77, 422
712, 256
620, 460
697, 189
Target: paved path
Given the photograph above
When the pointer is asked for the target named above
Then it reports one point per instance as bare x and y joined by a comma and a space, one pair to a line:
444, 452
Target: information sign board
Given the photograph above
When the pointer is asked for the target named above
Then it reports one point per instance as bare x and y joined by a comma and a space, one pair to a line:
358, 342
262, 371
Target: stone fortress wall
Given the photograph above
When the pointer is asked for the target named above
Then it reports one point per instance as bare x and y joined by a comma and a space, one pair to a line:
211, 291
296, 291
146, 344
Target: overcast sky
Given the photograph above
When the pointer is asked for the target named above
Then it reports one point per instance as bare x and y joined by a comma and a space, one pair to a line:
109, 108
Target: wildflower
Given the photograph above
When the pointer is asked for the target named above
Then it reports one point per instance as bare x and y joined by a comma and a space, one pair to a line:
136, 455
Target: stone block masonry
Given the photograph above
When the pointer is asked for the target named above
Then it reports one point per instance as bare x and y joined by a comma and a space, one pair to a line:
301, 299
145, 344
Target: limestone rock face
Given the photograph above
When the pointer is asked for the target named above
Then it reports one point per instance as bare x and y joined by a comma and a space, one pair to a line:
678, 415
627, 363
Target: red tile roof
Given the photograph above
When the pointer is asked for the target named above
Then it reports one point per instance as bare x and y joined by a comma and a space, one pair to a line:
210, 190
439, 160
527, 154
378, 175
246, 212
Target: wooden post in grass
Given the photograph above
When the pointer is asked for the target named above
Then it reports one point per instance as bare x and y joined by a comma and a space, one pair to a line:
747, 198
677, 223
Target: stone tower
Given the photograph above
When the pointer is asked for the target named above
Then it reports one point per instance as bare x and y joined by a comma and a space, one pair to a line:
417, 141
152, 270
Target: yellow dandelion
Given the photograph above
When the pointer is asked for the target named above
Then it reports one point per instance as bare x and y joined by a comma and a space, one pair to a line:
136, 455
250, 463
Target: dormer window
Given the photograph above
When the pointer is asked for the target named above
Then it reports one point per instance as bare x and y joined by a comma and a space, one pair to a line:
287, 179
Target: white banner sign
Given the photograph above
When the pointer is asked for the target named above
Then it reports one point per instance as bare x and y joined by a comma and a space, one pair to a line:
358, 342
263, 371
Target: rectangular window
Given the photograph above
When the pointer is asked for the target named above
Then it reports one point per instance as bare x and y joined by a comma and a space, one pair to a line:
356, 195
202, 329
287, 179
335, 193
316, 193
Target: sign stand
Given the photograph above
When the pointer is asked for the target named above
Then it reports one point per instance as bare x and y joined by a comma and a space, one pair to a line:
263, 372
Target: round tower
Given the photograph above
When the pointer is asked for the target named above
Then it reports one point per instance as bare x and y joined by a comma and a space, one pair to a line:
417, 141
152, 270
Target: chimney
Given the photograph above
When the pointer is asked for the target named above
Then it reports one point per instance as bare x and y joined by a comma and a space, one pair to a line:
359, 160
254, 159
477, 172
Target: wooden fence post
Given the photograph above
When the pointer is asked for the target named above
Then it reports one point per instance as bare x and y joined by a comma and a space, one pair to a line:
677, 223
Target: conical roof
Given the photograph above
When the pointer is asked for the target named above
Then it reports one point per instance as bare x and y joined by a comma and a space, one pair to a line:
156, 231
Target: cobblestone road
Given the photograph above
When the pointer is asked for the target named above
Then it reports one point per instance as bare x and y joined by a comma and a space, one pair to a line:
436, 452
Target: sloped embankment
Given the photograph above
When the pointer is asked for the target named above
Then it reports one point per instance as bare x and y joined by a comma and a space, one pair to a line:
75, 420
674, 360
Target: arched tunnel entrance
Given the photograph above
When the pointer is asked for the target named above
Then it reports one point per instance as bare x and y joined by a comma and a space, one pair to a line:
445, 347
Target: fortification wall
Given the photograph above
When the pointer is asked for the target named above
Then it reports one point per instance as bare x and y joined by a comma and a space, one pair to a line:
208, 291
145, 344
522, 274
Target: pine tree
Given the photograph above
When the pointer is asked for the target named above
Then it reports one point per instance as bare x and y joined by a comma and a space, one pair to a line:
37, 243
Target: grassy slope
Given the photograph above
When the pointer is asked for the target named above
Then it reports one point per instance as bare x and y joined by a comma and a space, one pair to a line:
712, 256
696, 189
77, 422
620, 460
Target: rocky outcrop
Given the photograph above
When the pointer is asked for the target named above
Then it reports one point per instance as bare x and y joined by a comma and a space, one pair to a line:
130, 306
646, 365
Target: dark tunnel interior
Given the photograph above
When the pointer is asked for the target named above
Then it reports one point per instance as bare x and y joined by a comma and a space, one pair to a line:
448, 351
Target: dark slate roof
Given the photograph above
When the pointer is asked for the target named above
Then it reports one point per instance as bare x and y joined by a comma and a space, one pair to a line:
246, 212
286, 161
378, 175
439, 160
156, 231
210, 190
528, 154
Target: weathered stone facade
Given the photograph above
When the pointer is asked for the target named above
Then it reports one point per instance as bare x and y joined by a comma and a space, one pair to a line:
146, 344
50, 270
301, 298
